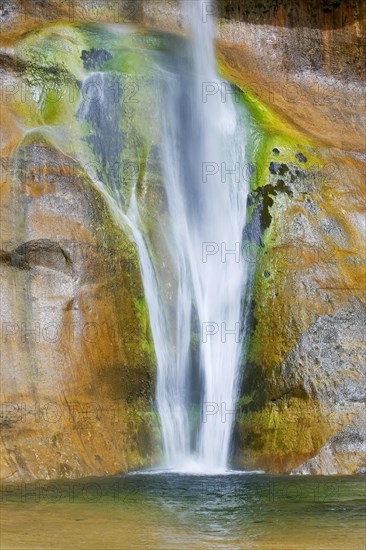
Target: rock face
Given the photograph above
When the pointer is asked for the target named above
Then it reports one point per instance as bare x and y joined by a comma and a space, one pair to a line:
78, 365
341, 452
303, 388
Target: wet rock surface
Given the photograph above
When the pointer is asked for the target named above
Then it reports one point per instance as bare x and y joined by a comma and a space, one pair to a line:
94, 58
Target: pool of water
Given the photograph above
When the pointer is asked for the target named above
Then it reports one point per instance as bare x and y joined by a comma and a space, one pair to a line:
174, 511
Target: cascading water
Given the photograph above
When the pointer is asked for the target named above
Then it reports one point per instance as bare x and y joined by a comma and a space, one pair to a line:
202, 143
203, 146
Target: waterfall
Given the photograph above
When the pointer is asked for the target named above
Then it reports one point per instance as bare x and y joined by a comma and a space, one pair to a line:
203, 142
202, 151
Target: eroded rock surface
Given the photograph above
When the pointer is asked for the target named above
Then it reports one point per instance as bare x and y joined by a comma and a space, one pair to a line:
78, 366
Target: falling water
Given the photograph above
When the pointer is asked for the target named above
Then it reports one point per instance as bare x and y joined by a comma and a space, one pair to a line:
203, 146
202, 143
